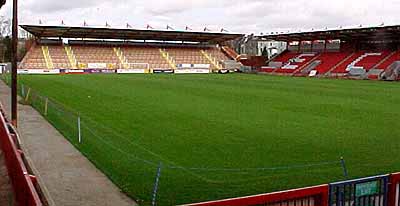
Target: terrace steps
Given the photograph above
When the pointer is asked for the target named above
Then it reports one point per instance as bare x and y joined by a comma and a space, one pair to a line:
230, 52
340, 63
81, 56
47, 57
71, 56
122, 58
168, 58
59, 57
385, 59
305, 65
211, 59
28, 54
285, 58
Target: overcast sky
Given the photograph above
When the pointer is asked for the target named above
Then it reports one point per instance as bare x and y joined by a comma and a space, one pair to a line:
240, 16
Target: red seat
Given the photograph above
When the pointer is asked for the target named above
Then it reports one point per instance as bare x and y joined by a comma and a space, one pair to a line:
329, 60
390, 60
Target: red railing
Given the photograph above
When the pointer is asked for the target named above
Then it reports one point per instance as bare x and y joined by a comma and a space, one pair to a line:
394, 190
311, 196
230, 52
25, 186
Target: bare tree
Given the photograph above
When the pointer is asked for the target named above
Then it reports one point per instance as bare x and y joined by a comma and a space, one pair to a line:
2, 2
5, 26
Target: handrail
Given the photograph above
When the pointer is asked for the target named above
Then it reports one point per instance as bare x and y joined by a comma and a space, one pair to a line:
394, 189
318, 193
26, 189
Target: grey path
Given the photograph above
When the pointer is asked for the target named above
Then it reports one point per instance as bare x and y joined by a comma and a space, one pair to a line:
6, 196
69, 178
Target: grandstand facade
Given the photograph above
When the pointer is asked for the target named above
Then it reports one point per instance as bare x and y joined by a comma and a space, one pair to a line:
125, 51
363, 53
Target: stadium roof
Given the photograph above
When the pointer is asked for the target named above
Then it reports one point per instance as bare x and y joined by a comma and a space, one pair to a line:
127, 34
356, 34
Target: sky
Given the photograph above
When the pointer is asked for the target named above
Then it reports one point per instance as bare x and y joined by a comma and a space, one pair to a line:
236, 16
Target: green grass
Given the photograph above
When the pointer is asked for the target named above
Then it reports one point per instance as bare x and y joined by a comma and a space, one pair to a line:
225, 121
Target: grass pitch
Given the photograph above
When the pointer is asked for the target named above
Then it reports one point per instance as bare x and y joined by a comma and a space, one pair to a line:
220, 136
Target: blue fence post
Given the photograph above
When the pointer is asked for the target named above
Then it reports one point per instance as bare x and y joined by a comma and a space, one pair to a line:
345, 173
153, 202
386, 192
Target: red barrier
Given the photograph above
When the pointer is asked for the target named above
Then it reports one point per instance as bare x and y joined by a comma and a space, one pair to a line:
394, 192
230, 52
24, 184
311, 196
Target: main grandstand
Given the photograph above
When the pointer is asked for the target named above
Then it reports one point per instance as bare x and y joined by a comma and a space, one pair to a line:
361, 53
125, 51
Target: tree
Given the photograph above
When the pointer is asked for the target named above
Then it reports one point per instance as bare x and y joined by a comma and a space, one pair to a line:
5, 41
6, 49
5, 26
264, 52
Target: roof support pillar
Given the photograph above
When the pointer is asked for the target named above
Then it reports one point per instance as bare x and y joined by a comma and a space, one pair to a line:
312, 45
358, 45
299, 47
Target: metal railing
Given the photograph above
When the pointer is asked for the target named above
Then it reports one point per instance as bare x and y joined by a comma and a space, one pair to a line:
26, 189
